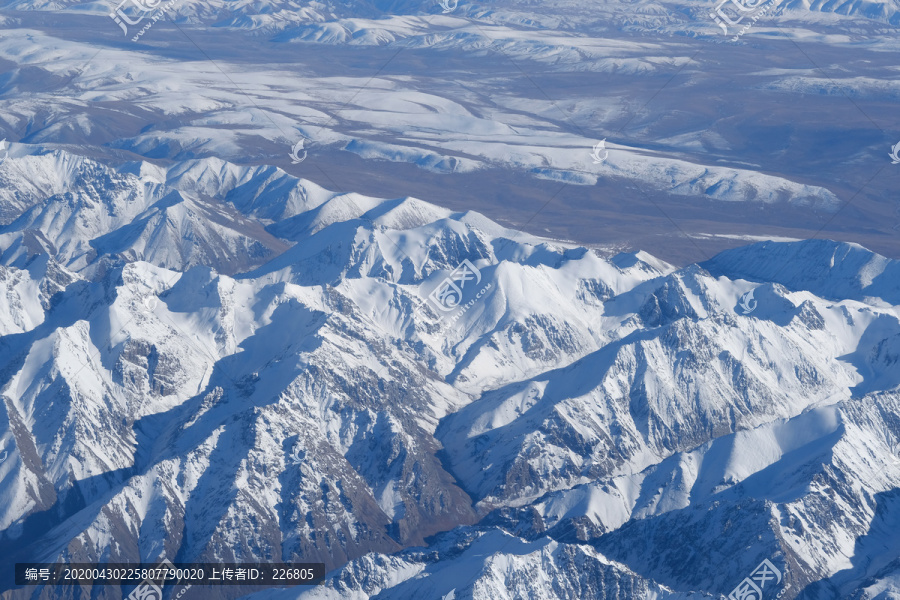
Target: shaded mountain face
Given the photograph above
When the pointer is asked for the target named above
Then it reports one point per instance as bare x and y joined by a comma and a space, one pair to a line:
210, 362
82, 210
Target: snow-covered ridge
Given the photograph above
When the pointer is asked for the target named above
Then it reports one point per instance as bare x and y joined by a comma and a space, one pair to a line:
363, 21
209, 211
577, 397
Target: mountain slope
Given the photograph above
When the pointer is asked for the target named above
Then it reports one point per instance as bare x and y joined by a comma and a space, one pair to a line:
588, 414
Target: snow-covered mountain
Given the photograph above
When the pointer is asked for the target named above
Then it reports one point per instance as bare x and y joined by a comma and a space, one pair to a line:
266, 294
581, 425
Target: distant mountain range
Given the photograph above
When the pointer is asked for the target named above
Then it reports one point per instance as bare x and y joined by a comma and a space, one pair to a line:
709, 142
361, 20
